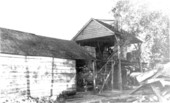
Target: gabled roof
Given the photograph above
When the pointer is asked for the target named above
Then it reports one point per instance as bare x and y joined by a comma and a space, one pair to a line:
22, 43
86, 25
123, 34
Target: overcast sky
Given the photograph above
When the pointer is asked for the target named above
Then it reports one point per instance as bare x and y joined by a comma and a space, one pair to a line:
57, 18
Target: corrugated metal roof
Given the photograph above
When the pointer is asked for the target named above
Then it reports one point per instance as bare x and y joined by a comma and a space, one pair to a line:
22, 43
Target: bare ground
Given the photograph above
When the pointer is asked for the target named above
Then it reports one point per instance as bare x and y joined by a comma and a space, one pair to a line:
105, 97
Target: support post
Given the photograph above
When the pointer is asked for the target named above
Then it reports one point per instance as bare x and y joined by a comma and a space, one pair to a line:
52, 77
105, 81
94, 75
119, 68
140, 65
119, 64
112, 67
27, 78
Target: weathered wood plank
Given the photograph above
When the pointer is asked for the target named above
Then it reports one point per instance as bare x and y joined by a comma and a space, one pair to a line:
21, 75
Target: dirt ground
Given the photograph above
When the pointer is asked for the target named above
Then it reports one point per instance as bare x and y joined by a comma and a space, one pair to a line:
104, 97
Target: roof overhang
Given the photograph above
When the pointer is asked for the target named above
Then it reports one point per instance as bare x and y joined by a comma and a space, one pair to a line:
94, 42
105, 39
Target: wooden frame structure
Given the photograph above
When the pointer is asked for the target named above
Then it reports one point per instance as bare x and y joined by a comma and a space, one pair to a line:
36, 66
104, 37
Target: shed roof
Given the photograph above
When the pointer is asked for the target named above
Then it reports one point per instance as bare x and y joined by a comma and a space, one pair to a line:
22, 43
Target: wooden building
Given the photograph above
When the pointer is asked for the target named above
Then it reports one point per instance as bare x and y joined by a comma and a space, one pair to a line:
37, 66
111, 47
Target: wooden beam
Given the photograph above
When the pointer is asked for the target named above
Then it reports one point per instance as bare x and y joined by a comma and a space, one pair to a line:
112, 67
119, 69
52, 78
120, 75
28, 79
135, 90
119, 64
105, 81
94, 74
140, 64
158, 94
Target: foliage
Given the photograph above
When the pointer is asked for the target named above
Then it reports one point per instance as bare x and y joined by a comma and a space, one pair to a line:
150, 26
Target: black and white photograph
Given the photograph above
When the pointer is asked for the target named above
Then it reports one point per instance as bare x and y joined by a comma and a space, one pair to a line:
84, 51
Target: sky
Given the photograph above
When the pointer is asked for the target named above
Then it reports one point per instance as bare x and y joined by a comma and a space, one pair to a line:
54, 18
58, 18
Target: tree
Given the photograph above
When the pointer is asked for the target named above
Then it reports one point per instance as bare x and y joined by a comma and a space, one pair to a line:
152, 27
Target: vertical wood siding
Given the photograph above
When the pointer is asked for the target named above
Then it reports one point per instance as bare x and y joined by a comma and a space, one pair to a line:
41, 76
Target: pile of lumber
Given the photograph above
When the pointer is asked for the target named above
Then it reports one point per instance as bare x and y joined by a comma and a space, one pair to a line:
154, 84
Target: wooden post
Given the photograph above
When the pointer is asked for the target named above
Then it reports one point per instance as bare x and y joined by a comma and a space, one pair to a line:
105, 81
119, 64
140, 65
105, 67
94, 75
27, 78
169, 44
52, 77
112, 67
119, 68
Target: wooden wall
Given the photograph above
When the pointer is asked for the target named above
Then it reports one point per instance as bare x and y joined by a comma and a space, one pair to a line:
94, 30
12, 76
35, 76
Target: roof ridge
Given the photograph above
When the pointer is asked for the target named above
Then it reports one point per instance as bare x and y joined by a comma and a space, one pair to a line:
18, 31
23, 43
82, 28
110, 27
